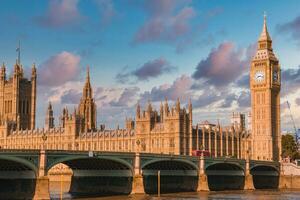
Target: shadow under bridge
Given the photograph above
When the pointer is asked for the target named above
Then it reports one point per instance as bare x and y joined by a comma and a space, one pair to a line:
96, 176
225, 176
265, 177
175, 176
17, 178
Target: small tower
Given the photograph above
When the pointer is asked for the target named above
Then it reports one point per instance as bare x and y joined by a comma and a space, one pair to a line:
49, 121
178, 105
3, 74
166, 108
33, 96
161, 110
87, 107
138, 111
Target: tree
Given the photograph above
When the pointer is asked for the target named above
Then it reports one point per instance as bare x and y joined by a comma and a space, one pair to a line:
289, 147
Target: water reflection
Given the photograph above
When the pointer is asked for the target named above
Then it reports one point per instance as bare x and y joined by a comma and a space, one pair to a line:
220, 195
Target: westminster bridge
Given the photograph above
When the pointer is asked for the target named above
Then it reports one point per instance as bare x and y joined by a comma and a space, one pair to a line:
24, 172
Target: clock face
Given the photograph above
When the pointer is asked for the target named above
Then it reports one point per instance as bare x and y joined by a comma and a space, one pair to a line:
275, 76
259, 76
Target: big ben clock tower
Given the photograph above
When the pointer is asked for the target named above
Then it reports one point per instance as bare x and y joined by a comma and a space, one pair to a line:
265, 100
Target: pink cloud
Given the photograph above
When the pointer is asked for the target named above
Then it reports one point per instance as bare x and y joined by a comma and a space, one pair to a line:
60, 13
59, 69
180, 88
165, 22
224, 64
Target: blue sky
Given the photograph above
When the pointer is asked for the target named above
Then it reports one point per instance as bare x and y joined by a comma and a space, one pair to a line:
149, 50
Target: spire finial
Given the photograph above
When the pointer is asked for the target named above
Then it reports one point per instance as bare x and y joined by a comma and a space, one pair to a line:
265, 20
88, 72
19, 53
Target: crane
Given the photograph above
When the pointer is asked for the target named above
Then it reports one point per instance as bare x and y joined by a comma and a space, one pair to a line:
292, 119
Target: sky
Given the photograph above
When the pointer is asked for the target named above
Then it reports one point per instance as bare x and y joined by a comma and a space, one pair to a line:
144, 51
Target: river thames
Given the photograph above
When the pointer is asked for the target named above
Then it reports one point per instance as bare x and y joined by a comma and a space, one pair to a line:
227, 195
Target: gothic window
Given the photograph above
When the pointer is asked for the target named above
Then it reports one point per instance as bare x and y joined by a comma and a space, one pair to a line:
142, 128
257, 98
171, 127
172, 143
120, 145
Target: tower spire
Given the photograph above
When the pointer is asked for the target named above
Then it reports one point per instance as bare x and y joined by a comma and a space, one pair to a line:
264, 36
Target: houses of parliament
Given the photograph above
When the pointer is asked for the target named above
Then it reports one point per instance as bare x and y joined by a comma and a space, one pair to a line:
168, 130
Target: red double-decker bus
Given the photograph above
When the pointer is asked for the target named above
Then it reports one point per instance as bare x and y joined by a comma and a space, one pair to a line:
199, 152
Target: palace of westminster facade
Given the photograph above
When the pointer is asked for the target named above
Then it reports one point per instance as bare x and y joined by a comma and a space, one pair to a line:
169, 130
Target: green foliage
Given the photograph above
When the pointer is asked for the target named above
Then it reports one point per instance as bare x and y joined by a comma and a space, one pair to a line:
289, 147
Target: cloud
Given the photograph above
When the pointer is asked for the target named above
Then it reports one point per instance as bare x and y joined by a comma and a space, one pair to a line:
243, 81
290, 81
60, 13
59, 69
206, 98
180, 88
127, 96
71, 96
297, 101
150, 69
168, 20
107, 10
244, 99
292, 28
224, 65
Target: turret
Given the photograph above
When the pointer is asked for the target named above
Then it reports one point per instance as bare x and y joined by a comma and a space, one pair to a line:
149, 109
190, 107
33, 96
138, 111
87, 108
49, 121
161, 110
166, 108
3, 73
178, 105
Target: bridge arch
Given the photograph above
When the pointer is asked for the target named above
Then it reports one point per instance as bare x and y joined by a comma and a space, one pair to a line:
92, 175
265, 176
17, 177
225, 176
175, 175
80, 157
21, 161
183, 161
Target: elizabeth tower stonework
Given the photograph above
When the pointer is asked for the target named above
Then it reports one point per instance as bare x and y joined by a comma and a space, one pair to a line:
265, 100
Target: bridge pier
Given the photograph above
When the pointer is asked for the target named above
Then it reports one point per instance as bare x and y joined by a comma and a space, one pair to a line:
202, 177
248, 177
42, 189
42, 181
138, 180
